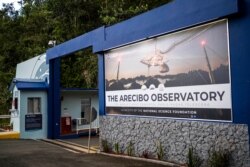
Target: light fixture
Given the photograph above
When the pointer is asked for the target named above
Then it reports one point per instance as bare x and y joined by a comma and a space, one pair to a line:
52, 43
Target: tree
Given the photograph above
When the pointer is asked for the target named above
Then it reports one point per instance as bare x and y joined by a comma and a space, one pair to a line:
109, 12
113, 11
8, 25
25, 34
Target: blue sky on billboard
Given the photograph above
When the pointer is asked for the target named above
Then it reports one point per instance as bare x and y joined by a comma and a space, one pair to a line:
15, 2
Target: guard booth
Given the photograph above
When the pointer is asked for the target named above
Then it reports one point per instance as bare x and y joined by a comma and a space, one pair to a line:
29, 107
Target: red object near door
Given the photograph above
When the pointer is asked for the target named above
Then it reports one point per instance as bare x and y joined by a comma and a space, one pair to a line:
65, 125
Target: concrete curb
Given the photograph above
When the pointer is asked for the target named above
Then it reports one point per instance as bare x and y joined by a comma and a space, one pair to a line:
69, 146
78, 145
9, 135
143, 159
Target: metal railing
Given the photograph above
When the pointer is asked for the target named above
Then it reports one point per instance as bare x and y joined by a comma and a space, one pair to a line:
5, 116
83, 124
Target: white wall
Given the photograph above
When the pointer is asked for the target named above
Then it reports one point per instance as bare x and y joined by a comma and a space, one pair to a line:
39, 133
29, 68
15, 113
71, 102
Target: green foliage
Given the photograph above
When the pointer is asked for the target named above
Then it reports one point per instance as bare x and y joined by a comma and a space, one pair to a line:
105, 146
5, 95
117, 148
193, 159
72, 18
5, 124
4, 121
130, 149
145, 154
114, 11
26, 33
79, 70
160, 151
219, 159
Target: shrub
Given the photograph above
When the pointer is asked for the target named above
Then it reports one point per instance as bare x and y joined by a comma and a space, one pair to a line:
130, 149
105, 146
117, 148
145, 154
193, 159
219, 159
160, 151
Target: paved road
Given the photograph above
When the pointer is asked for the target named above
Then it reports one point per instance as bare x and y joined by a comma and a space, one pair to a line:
31, 153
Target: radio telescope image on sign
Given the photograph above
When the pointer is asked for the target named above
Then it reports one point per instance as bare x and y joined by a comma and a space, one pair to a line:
195, 56
159, 59
156, 60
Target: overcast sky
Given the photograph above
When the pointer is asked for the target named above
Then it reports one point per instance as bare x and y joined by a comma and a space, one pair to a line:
16, 5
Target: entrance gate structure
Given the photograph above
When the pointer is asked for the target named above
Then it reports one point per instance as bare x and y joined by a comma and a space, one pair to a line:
176, 126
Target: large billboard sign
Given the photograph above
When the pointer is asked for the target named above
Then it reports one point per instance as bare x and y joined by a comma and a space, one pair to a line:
181, 75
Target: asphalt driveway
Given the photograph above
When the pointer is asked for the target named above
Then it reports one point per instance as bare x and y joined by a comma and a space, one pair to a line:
32, 153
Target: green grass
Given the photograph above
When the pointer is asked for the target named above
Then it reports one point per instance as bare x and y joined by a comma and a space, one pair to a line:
4, 122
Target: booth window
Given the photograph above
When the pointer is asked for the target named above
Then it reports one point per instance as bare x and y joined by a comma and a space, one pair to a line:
16, 103
34, 105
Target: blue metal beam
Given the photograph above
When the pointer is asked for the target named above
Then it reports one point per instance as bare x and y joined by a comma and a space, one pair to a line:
173, 16
50, 100
239, 36
101, 84
57, 97
54, 100
94, 38
178, 14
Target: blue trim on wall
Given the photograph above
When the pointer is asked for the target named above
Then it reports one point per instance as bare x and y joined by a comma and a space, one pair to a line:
239, 37
28, 84
101, 84
32, 85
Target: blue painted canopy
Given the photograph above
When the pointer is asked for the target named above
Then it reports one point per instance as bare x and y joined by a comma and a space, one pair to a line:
29, 84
